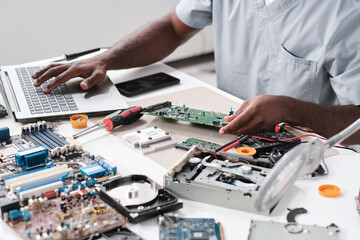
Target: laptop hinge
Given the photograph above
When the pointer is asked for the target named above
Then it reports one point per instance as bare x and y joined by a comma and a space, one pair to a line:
8, 93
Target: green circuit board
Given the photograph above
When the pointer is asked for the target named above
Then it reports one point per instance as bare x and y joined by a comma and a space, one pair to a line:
213, 119
201, 144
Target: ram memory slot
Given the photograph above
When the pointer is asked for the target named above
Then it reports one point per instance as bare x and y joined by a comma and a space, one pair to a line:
56, 137
46, 138
39, 141
60, 143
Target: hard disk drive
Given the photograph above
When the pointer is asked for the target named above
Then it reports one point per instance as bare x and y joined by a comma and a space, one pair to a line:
137, 197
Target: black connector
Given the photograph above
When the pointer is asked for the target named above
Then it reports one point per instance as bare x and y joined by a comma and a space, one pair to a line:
155, 107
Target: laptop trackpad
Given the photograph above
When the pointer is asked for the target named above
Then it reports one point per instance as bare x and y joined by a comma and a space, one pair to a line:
100, 88
103, 91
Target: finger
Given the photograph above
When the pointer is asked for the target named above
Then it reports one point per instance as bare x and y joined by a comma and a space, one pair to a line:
95, 78
60, 79
51, 72
237, 112
230, 118
41, 72
250, 128
238, 122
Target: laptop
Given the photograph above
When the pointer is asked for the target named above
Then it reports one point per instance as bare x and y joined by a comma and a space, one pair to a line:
29, 104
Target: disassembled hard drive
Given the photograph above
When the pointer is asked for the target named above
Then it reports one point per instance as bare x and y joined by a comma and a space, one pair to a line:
138, 197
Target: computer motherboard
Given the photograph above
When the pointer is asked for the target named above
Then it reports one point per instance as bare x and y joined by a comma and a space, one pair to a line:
46, 189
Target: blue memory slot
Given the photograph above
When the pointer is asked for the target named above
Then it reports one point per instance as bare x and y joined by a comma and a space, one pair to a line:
56, 136
48, 139
28, 172
39, 142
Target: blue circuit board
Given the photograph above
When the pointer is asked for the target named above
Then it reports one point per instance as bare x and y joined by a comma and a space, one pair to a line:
175, 228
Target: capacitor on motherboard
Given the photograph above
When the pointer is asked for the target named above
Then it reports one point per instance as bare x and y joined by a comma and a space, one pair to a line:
69, 198
62, 230
6, 216
43, 201
63, 207
96, 225
31, 202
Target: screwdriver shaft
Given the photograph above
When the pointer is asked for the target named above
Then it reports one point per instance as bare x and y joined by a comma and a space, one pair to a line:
89, 130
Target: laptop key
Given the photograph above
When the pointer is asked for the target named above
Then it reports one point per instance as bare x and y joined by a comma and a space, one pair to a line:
64, 108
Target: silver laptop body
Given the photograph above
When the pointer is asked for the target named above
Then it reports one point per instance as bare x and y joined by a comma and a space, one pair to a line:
29, 104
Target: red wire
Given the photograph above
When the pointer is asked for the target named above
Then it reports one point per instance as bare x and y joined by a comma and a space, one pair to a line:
327, 170
267, 139
241, 160
305, 128
305, 135
206, 152
229, 147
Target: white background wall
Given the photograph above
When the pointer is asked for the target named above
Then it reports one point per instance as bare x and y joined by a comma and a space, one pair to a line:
36, 29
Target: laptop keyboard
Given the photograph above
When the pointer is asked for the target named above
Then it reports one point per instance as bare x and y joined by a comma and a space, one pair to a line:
59, 100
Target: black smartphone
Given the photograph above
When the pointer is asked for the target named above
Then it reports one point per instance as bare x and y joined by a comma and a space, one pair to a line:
146, 84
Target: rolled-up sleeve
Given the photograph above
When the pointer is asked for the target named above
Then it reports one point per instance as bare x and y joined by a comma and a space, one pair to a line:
343, 61
195, 13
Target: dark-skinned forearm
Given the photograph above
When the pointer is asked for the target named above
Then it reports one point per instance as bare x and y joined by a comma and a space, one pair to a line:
147, 45
327, 120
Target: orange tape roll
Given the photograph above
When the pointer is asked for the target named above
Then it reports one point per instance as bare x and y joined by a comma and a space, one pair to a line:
246, 151
79, 121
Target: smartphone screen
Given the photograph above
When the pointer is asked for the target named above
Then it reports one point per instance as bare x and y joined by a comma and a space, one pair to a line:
146, 84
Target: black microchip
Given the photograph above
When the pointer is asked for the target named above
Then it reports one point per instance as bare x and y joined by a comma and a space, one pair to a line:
216, 122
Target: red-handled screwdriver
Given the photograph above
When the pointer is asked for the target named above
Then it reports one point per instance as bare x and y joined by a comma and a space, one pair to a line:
125, 117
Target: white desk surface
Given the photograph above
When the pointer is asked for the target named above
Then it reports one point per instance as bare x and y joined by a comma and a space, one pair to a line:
343, 171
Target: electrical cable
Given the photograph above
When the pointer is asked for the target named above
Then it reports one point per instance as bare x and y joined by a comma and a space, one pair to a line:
206, 152
242, 160
289, 139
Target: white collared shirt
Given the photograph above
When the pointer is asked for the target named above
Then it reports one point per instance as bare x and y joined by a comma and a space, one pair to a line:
305, 49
